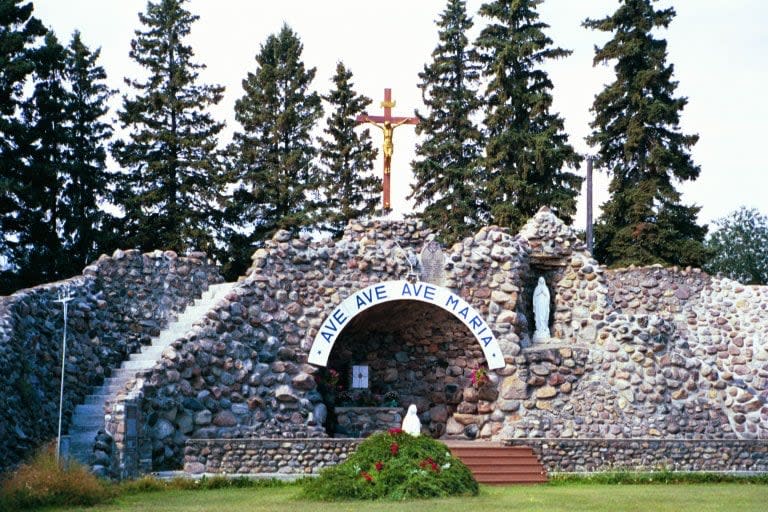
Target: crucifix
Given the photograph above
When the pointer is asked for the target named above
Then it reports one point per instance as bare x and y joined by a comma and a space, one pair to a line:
387, 124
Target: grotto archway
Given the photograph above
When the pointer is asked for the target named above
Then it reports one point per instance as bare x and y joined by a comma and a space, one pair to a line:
388, 291
414, 352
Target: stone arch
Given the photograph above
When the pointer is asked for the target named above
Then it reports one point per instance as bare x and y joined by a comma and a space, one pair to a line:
388, 291
415, 353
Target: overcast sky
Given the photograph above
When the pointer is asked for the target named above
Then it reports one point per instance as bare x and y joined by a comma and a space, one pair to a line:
719, 49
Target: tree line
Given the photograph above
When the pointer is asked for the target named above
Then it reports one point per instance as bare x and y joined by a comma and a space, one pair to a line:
492, 150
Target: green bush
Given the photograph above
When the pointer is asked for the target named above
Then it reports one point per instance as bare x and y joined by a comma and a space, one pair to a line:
396, 466
42, 482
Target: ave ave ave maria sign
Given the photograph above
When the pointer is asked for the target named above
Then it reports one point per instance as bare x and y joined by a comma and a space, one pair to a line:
389, 291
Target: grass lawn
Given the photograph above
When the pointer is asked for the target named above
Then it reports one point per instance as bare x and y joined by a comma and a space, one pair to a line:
571, 498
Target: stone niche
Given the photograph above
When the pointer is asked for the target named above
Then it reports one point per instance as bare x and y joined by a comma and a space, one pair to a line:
417, 354
552, 274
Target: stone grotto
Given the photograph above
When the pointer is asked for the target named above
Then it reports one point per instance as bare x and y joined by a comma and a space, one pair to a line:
323, 342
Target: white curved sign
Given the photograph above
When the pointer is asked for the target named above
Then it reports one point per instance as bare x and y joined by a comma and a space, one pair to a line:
403, 290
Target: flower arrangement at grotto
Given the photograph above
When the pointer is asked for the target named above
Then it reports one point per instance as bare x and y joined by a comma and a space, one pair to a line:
334, 392
394, 465
480, 377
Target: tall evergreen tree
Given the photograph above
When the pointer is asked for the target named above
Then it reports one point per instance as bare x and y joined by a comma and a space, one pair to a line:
348, 187
273, 154
86, 226
19, 32
639, 142
446, 169
172, 176
527, 147
40, 251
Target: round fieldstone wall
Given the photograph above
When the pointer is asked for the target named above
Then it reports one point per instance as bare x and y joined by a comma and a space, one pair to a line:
635, 353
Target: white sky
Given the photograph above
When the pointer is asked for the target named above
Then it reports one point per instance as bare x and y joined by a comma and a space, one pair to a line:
719, 49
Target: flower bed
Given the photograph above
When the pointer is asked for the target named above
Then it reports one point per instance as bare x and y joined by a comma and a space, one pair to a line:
394, 465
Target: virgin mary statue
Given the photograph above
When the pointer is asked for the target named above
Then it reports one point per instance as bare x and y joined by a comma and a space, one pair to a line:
541, 311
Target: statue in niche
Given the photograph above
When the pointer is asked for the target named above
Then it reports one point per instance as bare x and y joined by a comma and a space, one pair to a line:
541, 311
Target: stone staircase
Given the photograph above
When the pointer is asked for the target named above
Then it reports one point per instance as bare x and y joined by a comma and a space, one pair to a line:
494, 463
88, 417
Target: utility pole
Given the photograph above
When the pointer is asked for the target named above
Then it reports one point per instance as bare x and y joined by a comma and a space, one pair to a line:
590, 158
65, 295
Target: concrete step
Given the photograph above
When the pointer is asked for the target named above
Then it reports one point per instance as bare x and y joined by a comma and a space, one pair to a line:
492, 463
88, 410
123, 373
86, 426
83, 437
97, 399
152, 353
138, 364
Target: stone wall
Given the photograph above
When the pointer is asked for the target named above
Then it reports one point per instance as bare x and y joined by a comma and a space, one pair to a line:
588, 455
654, 353
118, 303
243, 371
243, 456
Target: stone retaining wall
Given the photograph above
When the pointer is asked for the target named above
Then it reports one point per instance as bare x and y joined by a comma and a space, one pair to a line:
243, 456
308, 456
587, 455
117, 305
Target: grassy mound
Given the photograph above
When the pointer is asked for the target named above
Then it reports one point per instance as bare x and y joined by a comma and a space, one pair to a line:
394, 465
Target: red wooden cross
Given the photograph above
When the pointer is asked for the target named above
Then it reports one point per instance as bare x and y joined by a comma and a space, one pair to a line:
387, 124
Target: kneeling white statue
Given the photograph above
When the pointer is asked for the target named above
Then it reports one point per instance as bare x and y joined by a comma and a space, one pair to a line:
411, 422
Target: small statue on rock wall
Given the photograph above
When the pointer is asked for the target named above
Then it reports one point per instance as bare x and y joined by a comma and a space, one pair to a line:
541, 311
411, 422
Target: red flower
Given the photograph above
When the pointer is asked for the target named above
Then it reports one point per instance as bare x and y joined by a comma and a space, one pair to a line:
367, 476
379, 466
480, 377
429, 463
394, 431
394, 448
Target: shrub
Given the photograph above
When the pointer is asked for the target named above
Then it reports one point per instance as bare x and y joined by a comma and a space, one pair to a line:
396, 466
42, 482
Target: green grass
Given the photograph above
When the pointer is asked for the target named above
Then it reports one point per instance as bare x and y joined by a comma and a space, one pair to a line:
560, 497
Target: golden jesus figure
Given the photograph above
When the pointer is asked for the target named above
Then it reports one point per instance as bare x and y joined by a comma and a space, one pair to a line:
388, 130
387, 124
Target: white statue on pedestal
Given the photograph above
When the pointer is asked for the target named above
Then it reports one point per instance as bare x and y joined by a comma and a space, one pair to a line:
541, 311
411, 422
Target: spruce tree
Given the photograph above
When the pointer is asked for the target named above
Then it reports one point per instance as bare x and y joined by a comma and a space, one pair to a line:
526, 147
639, 142
273, 153
40, 251
86, 225
19, 33
171, 175
348, 187
446, 168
